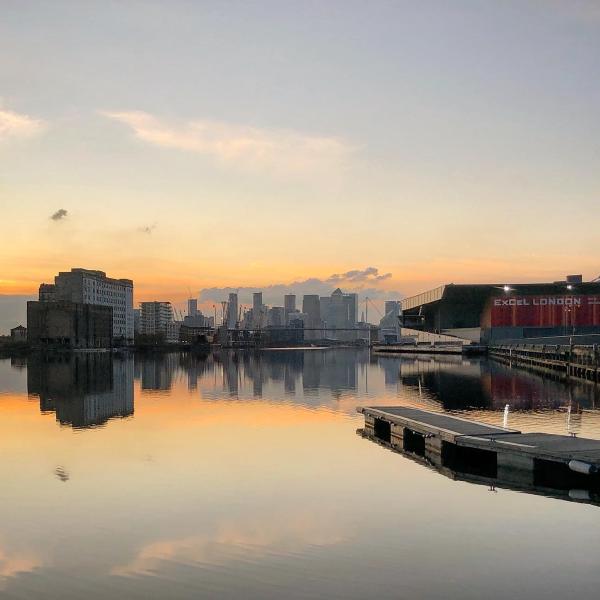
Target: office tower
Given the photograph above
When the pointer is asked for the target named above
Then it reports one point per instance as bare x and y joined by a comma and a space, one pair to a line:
289, 303
257, 310
311, 306
340, 312
257, 301
232, 311
192, 304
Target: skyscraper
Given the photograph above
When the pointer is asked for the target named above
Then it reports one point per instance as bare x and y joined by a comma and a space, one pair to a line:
289, 303
257, 310
311, 306
192, 307
257, 302
232, 311
340, 311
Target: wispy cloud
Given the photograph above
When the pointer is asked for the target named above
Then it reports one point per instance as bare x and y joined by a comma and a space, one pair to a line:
14, 125
59, 215
239, 145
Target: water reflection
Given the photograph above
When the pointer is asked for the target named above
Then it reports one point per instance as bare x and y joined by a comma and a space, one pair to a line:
460, 383
560, 485
239, 474
294, 373
82, 389
88, 389
308, 371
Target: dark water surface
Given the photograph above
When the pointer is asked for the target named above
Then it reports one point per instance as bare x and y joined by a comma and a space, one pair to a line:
241, 476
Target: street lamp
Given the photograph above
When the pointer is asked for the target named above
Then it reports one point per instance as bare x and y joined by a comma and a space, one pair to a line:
570, 310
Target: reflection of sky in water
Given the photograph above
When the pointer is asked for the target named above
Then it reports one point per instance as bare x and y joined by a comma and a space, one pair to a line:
240, 475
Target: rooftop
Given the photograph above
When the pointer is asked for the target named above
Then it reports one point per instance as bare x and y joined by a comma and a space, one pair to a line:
466, 292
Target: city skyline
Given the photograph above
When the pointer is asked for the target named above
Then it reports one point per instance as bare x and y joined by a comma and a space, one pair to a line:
435, 143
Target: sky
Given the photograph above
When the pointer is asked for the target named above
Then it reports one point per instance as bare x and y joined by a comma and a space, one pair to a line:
200, 146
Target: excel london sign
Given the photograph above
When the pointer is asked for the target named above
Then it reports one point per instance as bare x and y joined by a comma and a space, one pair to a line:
548, 301
544, 311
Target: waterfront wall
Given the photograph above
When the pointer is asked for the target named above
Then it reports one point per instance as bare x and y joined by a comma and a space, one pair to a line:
562, 361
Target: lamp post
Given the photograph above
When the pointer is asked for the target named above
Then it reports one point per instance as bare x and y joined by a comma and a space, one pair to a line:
571, 309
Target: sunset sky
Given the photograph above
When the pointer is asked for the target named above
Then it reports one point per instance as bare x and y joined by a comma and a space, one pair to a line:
195, 145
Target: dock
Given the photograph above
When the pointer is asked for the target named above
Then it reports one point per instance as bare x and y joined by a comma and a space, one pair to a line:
562, 362
430, 348
497, 454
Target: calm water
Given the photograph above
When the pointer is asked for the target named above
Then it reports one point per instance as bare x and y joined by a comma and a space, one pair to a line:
242, 476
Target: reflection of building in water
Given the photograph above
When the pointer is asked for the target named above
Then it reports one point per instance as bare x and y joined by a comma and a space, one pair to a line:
460, 383
158, 372
390, 365
456, 382
336, 370
83, 389
230, 375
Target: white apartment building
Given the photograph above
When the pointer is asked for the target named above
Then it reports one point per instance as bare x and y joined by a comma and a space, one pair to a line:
88, 286
156, 318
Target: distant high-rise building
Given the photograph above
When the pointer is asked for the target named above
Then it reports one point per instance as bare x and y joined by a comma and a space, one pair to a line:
232, 311
340, 312
86, 286
155, 318
258, 311
257, 301
289, 303
192, 307
311, 307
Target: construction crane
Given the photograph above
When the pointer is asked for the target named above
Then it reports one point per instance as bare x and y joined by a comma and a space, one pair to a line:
367, 301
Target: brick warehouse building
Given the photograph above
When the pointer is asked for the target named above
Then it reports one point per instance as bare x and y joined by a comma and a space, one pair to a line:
69, 325
495, 312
